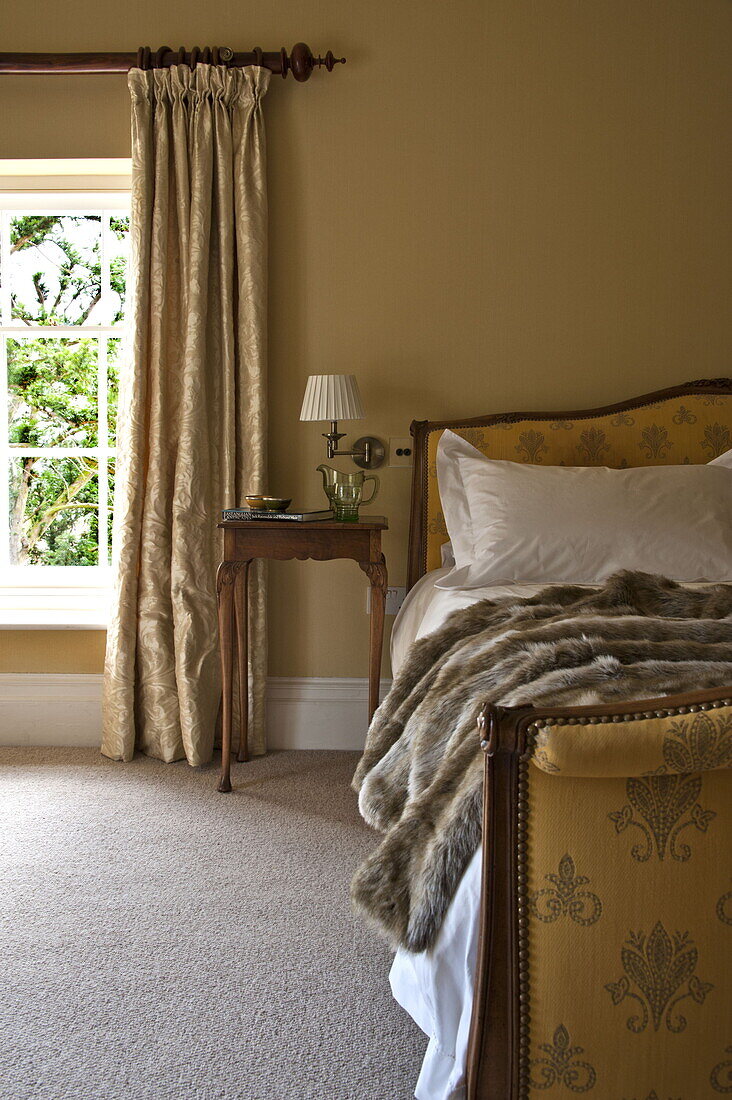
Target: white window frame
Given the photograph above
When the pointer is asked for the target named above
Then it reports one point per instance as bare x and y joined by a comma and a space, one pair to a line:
69, 596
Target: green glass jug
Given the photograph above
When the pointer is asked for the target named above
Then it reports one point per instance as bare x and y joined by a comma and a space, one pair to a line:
345, 492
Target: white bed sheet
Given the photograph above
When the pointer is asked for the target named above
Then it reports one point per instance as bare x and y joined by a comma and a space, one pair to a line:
427, 607
436, 987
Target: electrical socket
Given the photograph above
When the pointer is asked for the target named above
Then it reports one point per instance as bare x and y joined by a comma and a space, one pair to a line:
401, 451
395, 597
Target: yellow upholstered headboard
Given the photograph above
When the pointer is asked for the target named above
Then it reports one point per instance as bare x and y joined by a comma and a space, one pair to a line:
689, 423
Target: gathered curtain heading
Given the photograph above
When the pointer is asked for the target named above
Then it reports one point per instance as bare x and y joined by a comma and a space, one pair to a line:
235, 88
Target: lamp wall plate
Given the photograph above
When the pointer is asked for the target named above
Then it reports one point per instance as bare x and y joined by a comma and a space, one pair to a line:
378, 452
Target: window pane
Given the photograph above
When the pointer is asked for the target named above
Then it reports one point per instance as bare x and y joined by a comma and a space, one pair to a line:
114, 356
54, 511
55, 269
52, 392
118, 246
110, 508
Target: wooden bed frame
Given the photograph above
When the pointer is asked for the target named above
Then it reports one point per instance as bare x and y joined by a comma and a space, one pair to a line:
498, 1055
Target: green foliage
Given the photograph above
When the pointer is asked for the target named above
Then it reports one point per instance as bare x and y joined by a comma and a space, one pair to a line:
52, 392
69, 284
56, 279
56, 502
114, 353
120, 228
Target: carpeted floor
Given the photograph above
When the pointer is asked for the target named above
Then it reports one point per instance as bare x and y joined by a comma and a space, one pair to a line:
160, 940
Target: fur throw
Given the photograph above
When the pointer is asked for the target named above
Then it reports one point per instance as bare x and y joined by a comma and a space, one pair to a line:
421, 777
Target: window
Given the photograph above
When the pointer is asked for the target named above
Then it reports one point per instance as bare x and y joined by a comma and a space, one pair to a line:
63, 265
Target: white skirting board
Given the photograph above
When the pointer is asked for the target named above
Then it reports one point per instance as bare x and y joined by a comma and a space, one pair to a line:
318, 713
302, 712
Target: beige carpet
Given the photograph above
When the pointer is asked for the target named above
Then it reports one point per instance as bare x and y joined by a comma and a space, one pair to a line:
160, 940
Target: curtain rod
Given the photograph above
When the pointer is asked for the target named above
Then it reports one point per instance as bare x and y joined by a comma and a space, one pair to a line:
300, 61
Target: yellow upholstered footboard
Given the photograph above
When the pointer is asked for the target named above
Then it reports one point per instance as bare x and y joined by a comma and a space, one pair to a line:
619, 888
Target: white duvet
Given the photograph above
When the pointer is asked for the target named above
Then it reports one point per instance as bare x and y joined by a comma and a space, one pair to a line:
436, 987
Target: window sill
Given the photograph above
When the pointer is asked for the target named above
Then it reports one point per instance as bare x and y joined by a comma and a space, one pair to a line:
54, 609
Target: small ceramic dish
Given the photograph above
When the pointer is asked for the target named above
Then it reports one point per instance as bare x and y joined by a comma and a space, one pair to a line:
268, 504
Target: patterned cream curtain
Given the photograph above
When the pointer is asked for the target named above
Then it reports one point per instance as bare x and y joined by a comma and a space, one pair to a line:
191, 424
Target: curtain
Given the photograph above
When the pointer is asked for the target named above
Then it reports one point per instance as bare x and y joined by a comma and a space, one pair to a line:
192, 405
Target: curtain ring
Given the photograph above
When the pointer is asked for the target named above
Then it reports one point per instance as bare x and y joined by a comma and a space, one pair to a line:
160, 55
143, 57
195, 54
226, 54
181, 55
215, 55
206, 55
258, 56
284, 62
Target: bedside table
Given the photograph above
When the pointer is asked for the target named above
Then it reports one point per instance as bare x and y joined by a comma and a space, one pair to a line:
245, 540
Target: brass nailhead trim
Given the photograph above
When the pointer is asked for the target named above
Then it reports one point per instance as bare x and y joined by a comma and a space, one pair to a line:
639, 716
524, 987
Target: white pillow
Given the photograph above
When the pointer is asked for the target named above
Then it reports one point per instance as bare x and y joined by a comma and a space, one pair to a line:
511, 522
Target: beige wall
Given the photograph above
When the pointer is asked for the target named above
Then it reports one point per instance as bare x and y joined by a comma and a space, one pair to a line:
495, 204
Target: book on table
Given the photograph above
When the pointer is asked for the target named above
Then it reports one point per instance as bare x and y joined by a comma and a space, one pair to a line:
262, 514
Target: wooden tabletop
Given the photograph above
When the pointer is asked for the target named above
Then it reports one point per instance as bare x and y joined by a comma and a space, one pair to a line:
365, 523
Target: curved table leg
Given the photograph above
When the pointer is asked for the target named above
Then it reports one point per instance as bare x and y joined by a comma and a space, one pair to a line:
241, 611
377, 574
226, 581
225, 596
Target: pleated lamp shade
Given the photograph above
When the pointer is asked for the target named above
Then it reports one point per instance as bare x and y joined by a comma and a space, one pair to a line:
332, 397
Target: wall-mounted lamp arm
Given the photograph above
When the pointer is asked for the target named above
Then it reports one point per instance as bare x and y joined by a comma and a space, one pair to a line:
368, 452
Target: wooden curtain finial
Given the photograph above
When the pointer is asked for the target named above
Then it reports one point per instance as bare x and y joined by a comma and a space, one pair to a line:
329, 61
301, 61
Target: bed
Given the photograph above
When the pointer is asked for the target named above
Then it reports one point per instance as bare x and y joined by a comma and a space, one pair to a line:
469, 992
